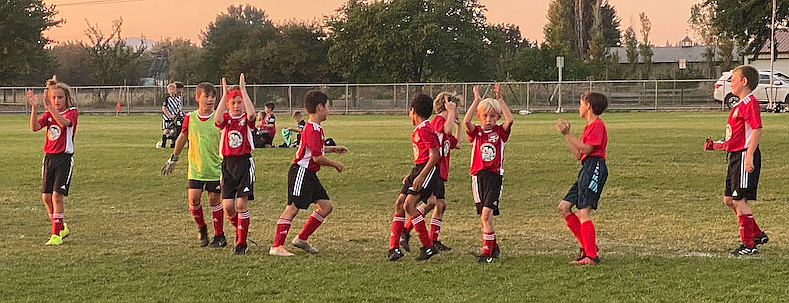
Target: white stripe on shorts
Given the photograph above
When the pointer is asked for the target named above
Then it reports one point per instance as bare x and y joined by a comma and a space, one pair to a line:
475, 189
429, 176
299, 180
251, 170
743, 173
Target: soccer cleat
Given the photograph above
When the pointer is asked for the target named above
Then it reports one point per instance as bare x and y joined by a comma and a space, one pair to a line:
426, 252
219, 241
405, 237
54, 240
304, 244
203, 236
744, 250
279, 251
581, 255
440, 246
395, 254
64, 232
494, 253
587, 261
484, 259
240, 249
761, 239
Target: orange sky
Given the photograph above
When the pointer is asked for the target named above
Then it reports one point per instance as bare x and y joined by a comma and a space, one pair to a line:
156, 19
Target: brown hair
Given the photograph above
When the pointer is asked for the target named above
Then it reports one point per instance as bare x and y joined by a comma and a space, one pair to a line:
749, 73
597, 101
52, 84
312, 99
205, 88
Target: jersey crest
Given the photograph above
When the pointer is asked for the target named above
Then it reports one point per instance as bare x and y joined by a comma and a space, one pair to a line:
234, 138
53, 132
487, 152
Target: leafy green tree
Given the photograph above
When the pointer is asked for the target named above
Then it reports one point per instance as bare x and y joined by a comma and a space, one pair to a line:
568, 25
23, 60
111, 60
298, 55
71, 58
178, 59
609, 23
747, 22
645, 48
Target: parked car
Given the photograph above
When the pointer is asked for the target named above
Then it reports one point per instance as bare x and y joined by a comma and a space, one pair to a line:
722, 92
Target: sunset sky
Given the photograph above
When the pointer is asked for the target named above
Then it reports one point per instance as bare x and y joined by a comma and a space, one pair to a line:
156, 19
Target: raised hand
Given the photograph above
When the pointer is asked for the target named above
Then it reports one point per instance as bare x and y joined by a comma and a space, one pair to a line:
224, 85
563, 126
242, 82
497, 90
451, 106
476, 92
31, 98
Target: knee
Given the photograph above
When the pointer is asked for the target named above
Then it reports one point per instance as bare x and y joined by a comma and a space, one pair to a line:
730, 202
441, 205
564, 210
326, 209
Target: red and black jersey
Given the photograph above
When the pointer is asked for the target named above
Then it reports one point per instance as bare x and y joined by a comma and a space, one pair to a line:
423, 139
487, 149
447, 142
236, 137
312, 142
59, 139
595, 135
745, 116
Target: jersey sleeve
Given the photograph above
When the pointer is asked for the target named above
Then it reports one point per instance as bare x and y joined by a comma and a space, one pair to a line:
754, 117
438, 124
164, 103
185, 125
503, 134
72, 115
429, 137
473, 133
251, 121
225, 121
595, 135
312, 139
453, 142
271, 119
44, 119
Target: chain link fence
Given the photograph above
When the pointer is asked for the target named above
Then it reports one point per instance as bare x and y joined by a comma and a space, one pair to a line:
393, 98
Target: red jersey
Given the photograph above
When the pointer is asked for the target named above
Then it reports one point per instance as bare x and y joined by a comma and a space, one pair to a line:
596, 136
59, 139
487, 149
236, 137
446, 143
745, 116
423, 139
311, 145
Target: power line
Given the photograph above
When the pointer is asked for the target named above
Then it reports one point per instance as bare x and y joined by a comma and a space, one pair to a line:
98, 2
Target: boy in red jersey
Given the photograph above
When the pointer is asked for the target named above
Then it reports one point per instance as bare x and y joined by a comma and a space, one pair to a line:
304, 188
421, 183
235, 116
447, 127
585, 193
487, 159
60, 120
743, 133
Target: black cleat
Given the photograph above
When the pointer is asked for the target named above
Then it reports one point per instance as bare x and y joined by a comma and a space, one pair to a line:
484, 259
203, 236
219, 241
426, 252
240, 249
581, 254
744, 250
440, 246
762, 239
395, 254
494, 253
405, 237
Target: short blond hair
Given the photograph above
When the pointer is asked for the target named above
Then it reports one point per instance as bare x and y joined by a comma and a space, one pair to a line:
172, 85
489, 104
438, 102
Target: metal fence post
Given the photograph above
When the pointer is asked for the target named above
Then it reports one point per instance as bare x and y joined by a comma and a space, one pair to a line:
528, 96
656, 93
347, 91
290, 98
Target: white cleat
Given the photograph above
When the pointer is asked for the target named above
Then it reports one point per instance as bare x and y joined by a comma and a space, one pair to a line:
279, 251
305, 245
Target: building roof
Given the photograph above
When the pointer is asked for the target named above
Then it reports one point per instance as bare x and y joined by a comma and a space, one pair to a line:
781, 38
673, 54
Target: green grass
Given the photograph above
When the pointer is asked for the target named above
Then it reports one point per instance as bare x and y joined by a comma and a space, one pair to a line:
663, 230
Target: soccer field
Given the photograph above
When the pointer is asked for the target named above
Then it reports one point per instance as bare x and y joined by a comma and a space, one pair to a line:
663, 231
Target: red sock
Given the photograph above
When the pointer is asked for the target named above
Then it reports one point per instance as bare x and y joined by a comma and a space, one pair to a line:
575, 226
488, 243
283, 226
57, 223
754, 228
421, 229
588, 236
197, 214
216, 213
435, 229
408, 225
243, 228
233, 220
395, 231
745, 231
312, 224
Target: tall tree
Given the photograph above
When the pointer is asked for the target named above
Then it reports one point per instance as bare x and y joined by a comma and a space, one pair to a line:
631, 50
298, 54
71, 60
645, 47
700, 22
176, 59
747, 22
111, 61
23, 60
570, 23
609, 21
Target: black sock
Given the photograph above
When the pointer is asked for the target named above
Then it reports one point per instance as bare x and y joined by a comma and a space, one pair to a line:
164, 140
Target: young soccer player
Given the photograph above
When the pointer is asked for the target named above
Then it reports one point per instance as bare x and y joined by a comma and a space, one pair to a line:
60, 120
287, 132
585, 192
171, 108
235, 117
205, 164
304, 188
421, 183
267, 124
487, 159
743, 133
447, 127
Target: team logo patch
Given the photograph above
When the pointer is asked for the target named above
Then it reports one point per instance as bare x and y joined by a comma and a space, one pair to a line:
493, 138
736, 111
53, 132
242, 122
234, 139
445, 149
488, 152
416, 152
416, 137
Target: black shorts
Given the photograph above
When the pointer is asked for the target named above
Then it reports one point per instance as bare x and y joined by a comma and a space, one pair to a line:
56, 173
486, 187
167, 124
238, 175
428, 187
586, 190
739, 183
304, 188
209, 186
440, 191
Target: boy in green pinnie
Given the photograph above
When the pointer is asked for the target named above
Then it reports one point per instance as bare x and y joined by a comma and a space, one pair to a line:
204, 164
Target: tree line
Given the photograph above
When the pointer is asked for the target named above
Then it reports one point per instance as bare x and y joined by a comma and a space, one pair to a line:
367, 42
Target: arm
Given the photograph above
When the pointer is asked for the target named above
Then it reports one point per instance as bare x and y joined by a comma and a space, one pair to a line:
576, 146
59, 119
505, 110
248, 106
31, 98
222, 108
335, 149
169, 166
423, 174
472, 110
166, 113
449, 125
756, 136
179, 144
323, 161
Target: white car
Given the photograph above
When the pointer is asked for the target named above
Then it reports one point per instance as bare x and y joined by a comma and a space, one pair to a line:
723, 93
